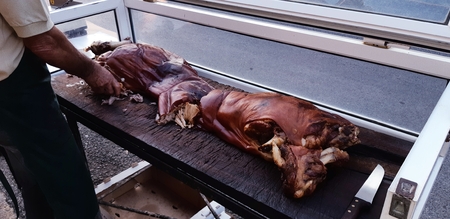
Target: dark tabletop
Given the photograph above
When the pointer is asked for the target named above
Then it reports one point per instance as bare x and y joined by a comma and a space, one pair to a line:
237, 179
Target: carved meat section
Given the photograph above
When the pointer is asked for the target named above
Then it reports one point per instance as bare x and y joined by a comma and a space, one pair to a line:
298, 137
153, 72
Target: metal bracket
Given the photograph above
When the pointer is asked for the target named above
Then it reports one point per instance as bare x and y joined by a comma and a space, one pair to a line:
406, 188
384, 44
401, 201
399, 207
375, 42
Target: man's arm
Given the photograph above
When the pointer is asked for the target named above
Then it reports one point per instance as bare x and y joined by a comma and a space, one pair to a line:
55, 49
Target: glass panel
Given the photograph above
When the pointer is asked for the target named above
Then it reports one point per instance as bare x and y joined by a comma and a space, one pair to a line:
97, 24
426, 10
393, 96
82, 32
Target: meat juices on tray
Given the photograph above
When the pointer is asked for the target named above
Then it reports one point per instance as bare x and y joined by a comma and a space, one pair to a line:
294, 134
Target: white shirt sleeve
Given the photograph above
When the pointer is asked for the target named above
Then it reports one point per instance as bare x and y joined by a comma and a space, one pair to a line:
27, 18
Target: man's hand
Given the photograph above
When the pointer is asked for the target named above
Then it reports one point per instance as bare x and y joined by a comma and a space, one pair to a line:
102, 81
55, 49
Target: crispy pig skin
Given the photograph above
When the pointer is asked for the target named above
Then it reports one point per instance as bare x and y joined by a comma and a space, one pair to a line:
248, 121
156, 73
236, 116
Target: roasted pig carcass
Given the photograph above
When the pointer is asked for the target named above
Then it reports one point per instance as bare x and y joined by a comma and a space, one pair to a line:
298, 137
155, 73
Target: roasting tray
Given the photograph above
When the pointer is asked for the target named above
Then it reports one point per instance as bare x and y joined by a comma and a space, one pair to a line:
243, 183
143, 188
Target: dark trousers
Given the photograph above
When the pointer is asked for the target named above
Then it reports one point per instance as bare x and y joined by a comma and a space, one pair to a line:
44, 158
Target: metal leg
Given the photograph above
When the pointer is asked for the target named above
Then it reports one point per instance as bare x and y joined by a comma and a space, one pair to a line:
73, 125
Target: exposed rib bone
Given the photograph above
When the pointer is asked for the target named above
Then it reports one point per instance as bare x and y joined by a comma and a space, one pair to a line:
179, 119
190, 112
276, 154
300, 193
332, 154
276, 140
185, 115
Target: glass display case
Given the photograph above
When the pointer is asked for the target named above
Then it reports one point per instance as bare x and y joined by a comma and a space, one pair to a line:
382, 65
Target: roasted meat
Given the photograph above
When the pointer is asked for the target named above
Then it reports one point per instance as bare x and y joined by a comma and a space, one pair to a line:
153, 72
298, 137
294, 134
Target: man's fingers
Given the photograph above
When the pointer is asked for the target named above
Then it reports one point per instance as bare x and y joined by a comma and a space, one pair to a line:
116, 89
106, 89
109, 90
107, 85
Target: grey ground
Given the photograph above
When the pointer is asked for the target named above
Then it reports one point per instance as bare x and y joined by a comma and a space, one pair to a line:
438, 205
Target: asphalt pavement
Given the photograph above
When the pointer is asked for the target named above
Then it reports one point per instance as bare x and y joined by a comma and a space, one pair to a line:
438, 203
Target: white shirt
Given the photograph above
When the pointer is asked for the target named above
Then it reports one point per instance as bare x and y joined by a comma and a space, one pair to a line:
19, 19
